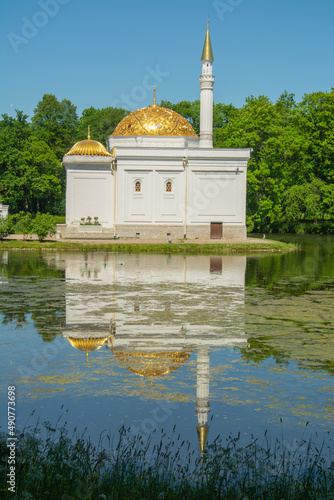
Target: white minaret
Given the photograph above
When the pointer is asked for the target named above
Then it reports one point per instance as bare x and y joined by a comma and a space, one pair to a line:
206, 80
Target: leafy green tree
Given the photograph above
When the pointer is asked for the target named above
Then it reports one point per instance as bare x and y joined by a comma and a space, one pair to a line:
316, 123
102, 123
29, 170
189, 110
55, 123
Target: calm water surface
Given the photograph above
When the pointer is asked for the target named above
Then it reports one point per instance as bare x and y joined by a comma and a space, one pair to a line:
228, 343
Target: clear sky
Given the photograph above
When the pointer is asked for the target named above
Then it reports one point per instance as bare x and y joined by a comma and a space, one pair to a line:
110, 53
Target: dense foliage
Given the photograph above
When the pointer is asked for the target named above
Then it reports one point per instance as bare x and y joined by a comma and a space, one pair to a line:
290, 185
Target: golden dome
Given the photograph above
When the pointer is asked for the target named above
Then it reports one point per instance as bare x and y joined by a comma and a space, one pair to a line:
88, 147
154, 120
152, 364
87, 344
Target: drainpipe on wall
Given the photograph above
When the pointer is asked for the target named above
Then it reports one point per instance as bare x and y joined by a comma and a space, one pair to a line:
185, 166
114, 172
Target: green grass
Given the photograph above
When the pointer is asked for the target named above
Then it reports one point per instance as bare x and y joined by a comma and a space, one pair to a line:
175, 248
163, 467
59, 219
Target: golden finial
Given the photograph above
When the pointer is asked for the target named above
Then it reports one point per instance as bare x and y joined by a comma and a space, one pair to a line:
88, 133
207, 24
154, 100
207, 54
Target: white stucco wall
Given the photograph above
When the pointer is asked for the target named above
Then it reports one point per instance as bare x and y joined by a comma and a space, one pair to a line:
208, 185
89, 190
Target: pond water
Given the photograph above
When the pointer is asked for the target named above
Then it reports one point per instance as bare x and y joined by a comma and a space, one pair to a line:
215, 345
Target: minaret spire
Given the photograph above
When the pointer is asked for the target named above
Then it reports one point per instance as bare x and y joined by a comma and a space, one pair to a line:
207, 54
206, 80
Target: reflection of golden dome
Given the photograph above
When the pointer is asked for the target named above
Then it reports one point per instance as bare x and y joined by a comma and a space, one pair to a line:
154, 120
88, 147
87, 344
152, 364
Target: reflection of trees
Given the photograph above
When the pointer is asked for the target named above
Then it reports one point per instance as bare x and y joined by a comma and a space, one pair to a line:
258, 350
311, 268
289, 301
32, 288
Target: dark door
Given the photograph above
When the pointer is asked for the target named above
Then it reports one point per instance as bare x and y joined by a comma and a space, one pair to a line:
216, 230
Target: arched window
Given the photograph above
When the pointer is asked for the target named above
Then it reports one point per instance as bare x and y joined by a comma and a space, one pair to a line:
169, 186
137, 187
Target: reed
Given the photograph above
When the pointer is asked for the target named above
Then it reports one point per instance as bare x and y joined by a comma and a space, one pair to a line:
52, 465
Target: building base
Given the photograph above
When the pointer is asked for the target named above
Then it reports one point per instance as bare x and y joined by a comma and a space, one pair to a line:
150, 231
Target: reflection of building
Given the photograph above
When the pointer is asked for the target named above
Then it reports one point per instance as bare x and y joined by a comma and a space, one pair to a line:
157, 178
152, 312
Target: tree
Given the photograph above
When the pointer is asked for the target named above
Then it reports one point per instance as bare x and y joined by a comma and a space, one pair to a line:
55, 123
189, 110
29, 170
316, 123
102, 123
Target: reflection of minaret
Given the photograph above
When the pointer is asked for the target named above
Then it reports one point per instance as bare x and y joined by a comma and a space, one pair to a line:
202, 401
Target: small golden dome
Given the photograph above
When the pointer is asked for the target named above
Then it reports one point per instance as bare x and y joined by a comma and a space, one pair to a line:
88, 147
152, 364
154, 120
87, 344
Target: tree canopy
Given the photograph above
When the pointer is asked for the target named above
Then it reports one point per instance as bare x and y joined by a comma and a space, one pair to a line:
55, 123
29, 169
102, 123
290, 183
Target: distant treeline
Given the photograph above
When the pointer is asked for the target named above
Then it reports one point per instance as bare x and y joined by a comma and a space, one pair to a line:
290, 184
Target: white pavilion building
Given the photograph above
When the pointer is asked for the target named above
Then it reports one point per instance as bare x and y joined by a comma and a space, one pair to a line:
156, 178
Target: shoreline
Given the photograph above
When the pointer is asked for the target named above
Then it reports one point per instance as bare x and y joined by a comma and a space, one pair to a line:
132, 245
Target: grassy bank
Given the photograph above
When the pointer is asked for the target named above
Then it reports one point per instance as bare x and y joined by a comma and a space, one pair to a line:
134, 468
175, 248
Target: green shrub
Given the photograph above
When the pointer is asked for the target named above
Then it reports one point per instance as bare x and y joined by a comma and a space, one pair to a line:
6, 226
23, 223
43, 225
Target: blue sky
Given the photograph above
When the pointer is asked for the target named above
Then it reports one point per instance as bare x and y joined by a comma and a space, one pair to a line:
110, 53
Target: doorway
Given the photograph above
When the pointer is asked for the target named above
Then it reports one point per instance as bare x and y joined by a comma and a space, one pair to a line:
216, 230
